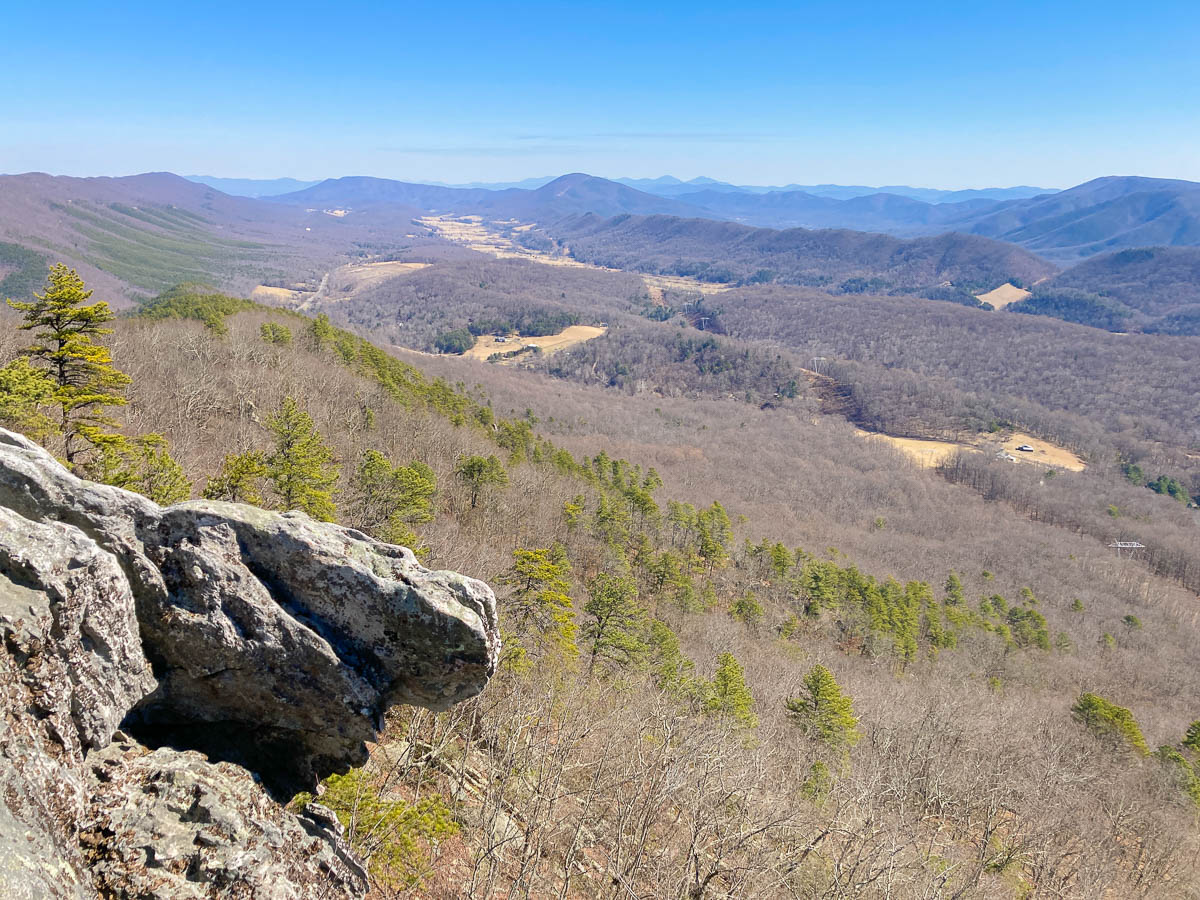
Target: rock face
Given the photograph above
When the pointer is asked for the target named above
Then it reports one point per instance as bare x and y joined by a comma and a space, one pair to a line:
270, 643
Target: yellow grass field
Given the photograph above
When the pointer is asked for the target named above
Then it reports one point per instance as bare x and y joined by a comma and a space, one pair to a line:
486, 344
276, 295
1003, 295
925, 453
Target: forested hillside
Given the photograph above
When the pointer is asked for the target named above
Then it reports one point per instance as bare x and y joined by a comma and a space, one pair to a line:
842, 261
746, 652
1151, 289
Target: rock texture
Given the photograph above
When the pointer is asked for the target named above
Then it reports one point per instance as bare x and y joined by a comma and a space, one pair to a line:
271, 643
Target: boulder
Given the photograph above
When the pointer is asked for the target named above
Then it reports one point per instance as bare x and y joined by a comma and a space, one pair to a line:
245, 654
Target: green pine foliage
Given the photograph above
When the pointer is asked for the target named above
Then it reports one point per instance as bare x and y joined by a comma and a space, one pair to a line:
301, 468
387, 501
728, 696
823, 711
275, 333
86, 383
26, 394
142, 464
396, 839
239, 480
480, 473
539, 606
1110, 722
616, 630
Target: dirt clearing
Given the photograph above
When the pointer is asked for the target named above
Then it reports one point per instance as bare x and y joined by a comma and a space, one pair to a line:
486, 344
1003, 295
929, 453
925, 453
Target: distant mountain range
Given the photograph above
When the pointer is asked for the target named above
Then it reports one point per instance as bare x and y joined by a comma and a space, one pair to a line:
252, 187
1102, 215
1140, 237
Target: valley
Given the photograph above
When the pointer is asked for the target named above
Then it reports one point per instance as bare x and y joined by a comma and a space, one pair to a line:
763, 471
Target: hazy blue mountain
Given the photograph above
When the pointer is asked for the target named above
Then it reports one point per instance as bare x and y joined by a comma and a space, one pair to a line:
252, 187
1098, 216
566, 195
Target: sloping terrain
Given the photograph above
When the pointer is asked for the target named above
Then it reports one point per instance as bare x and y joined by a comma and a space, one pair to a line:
846, 261
139, 235
568, 194
1099, 216
1151, 289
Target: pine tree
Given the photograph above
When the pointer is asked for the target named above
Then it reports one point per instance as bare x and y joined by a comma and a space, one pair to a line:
478, 473
85, 380
1191, 739
540, 604
823, 711
142, 464
238, 480
301, 469
1106, 720
728, 694
24, 391
386, 500
617, 629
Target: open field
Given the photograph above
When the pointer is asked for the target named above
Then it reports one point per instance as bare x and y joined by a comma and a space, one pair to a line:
1002, 296
471, 232
486, 344
929, 453
926, 453
340, 284
1044, 453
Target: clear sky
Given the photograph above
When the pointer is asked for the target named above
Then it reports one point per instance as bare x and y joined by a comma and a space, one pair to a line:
954, 94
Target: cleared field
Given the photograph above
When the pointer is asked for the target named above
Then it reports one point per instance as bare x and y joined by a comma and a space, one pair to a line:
277, 295
1002, 296
471, 232
928, 453
486, 344
340, 284
1044, 453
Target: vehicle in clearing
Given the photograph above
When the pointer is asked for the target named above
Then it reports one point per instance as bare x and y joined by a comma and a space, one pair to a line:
1025, 448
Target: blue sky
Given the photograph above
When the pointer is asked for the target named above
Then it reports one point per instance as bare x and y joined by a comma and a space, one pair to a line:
931, 94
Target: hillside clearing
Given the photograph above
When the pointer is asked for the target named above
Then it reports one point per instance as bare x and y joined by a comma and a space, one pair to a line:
1002, 296
486, 344
928, 453
925, 453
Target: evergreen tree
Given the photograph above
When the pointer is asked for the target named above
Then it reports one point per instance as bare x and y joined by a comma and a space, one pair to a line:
301, 469
823, 711
24, 391
1191, 740
478, 473
1109, 721
540, 604
85, 381
387, 500
616, 631
238, 480
728, 694
144, 465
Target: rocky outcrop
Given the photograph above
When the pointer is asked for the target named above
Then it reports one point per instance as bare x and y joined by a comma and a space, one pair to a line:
267, 642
